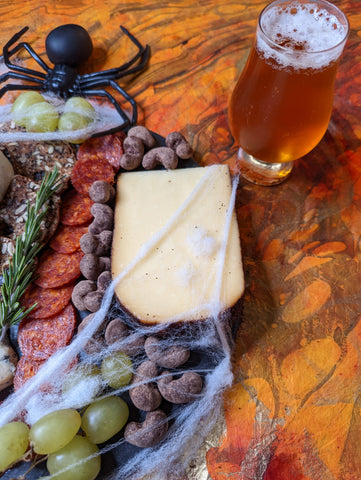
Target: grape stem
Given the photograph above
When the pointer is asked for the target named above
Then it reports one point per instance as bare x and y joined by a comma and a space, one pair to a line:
20, 272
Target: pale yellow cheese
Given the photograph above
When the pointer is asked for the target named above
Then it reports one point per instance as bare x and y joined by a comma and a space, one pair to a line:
176, 251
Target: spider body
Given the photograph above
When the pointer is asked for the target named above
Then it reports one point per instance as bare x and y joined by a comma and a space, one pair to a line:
68, 47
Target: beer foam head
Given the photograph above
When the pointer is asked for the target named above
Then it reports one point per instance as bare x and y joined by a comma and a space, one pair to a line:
302, 34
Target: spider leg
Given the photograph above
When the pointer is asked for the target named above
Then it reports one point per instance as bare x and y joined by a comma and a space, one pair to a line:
19, 76
104, 93
11, 88
119, 72
8, 53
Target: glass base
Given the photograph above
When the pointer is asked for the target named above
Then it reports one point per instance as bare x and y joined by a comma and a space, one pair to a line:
262, 173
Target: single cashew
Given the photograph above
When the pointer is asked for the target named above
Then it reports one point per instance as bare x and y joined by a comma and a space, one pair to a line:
145, 396
170, 357
99, 244
148, 433
91, 266
101, 192
133, 153
80, 291
143, 134
182, 390
103, 218
160, 156
104, 280
93, 301
179, 144
118, 336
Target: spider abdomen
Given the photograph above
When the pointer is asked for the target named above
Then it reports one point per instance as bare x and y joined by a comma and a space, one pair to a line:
62, 80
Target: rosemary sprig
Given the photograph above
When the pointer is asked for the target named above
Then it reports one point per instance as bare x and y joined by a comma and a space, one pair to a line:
18, 276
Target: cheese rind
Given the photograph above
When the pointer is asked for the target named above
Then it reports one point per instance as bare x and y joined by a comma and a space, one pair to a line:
176, 250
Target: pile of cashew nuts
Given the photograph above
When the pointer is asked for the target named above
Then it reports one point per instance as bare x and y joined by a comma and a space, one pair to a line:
155, 379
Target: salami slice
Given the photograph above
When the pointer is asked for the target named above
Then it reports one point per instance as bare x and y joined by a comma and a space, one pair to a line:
67, 238
40, 338
57, 269
50, 300
75, 209
108, 147
25, 369
88, 170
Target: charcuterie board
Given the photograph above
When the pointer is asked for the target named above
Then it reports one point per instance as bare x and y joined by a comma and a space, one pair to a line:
58, 270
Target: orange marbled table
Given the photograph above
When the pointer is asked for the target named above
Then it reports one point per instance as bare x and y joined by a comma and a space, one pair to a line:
294, 412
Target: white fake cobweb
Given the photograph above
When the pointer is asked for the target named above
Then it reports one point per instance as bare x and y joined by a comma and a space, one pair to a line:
106, 118
210, 342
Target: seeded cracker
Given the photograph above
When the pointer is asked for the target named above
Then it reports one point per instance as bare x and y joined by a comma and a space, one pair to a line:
34, 159
13, 209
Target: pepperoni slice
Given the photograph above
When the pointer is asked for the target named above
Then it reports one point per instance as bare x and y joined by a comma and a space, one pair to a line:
67, 238
57, 269
25, 369
75, 209
50, 300
40, 338
88, 170
108, 147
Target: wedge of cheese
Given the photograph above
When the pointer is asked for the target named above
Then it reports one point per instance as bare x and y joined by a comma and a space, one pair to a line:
176, 252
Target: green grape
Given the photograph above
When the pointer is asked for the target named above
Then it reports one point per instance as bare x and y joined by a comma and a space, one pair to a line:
21, 107
80, 106
63, 464
70, 121
43, 118
55, 430
14, 441
84, 377
116, 369
104, 418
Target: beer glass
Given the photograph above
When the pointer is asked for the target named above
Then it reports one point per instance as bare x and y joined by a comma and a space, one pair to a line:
282, 102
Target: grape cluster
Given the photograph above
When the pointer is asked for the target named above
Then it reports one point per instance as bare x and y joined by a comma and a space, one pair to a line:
32, 111
68, 438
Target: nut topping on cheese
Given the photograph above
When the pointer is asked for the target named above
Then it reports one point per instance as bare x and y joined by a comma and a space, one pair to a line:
176, 250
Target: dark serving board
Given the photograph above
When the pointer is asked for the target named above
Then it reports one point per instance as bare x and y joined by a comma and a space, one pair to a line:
114, 458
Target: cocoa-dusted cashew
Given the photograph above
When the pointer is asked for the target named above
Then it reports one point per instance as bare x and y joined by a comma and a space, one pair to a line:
93, 300
181, 390
99, 244
96, 343
148, 433
104, 280
101, 192
145, 396
143, 134
160, 156
170, 357
103, 218
133, 153
117, 335
80, 291
179, 144
91, 266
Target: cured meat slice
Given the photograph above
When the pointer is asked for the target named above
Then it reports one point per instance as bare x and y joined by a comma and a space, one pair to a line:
75, 209
40, 338
88, 170
50, 300
57, 269
67, 238
108, 147
25, 369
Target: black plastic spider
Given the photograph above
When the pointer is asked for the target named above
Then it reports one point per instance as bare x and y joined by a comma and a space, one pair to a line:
68, 47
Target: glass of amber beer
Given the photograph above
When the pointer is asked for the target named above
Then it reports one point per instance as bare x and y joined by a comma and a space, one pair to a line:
282, 102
